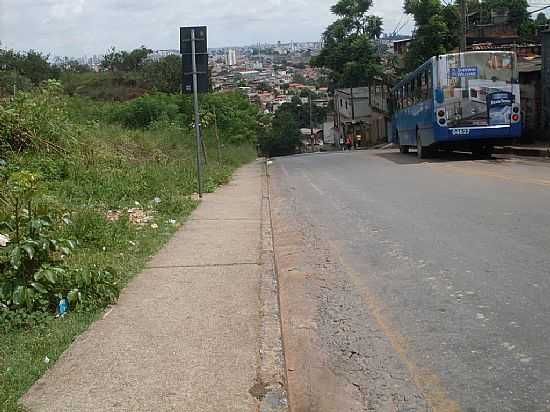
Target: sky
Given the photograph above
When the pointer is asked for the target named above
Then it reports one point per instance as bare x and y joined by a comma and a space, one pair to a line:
85, 27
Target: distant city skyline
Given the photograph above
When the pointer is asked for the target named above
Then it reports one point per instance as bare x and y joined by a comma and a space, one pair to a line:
86, 27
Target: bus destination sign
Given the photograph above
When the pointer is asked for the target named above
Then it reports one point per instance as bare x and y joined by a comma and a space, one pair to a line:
471, 71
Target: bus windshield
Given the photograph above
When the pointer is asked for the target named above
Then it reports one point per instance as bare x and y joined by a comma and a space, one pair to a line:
476, 88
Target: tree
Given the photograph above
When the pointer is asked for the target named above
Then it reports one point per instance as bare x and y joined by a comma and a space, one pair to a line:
349, 51
437, 30
135, 59
114, 60
282, 138
541, 19
74, 66
32, 65
300, 112
518, 15
165, 74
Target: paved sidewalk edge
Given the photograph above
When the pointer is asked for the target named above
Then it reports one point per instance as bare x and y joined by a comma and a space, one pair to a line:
271, 386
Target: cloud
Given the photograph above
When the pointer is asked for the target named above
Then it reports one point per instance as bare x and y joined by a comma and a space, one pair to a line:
78, 27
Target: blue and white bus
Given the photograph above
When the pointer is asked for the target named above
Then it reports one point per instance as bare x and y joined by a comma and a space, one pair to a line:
463, 101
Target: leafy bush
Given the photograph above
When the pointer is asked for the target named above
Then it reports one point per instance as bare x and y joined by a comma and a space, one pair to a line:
36, 120
141, 112
9, 79
236, 117
32, 274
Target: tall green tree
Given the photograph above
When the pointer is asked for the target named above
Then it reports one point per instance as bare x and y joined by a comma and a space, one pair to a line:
437, 30
349, 51
164, 75
300, 113
113, 60
136, 58
282, 138
32, 65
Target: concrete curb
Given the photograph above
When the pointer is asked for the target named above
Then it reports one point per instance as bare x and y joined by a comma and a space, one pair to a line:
271, 386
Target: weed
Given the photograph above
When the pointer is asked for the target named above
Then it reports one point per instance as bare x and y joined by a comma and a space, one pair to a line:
104, 177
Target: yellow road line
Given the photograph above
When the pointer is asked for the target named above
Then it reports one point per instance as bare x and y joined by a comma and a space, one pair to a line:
425, 380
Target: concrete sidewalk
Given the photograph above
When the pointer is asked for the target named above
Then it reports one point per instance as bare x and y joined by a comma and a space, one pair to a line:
198, 330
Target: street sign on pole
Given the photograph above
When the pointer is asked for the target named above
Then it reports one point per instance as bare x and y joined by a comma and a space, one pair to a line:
193, 41
201, 58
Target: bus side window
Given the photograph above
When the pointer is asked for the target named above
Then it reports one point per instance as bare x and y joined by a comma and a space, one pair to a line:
399, 98
424, 80
397, 104
430, 82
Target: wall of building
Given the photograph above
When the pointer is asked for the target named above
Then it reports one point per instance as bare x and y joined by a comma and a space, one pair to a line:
369, 117
530, 92
546, 81
361, 106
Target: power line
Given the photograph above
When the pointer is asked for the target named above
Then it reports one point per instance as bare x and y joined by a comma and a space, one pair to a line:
536, 11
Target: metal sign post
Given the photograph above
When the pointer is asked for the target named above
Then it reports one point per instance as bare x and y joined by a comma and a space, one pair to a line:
197, 117
194, 52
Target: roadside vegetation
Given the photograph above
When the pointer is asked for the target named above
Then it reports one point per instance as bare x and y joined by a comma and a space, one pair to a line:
89, 190
279, 134
354, 59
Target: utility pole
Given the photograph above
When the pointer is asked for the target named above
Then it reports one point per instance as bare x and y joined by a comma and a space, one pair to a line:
217, 136
197, 118
352, 105
311, 123
464, 21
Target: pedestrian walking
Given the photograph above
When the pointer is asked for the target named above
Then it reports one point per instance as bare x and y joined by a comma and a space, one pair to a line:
349, 142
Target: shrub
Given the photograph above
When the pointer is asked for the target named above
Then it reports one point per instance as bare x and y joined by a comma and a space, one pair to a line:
32, 274
36, 120
141, 112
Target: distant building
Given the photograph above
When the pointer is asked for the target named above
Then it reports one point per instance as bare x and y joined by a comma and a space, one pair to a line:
329, 131
362, 113
231, 57
531, 95
311, 142
401, 46
546, 81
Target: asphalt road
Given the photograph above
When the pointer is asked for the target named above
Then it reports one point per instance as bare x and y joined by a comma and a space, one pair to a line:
445, 263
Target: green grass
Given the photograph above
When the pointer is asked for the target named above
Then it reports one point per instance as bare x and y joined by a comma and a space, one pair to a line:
112, 168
